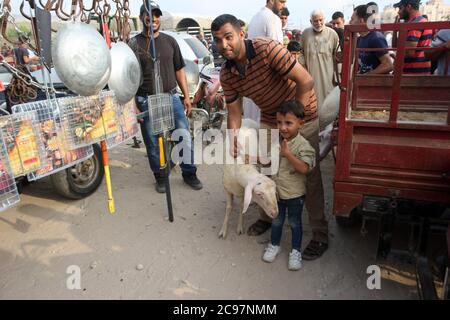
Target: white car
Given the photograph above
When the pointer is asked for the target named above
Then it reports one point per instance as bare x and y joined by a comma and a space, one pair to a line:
194, 53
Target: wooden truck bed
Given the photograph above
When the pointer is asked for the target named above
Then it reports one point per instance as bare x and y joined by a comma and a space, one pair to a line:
393, 134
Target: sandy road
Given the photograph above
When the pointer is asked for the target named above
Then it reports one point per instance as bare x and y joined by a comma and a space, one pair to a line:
45, 234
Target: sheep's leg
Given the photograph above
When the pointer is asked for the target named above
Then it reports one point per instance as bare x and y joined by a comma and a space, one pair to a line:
240, 226
224, 230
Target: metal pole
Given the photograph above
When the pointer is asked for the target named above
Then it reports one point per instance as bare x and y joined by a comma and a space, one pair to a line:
104, 147
165, 167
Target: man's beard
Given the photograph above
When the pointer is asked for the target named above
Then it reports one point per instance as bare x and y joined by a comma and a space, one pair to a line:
147, 28
275, 10
318, 29
236, 52
404, 15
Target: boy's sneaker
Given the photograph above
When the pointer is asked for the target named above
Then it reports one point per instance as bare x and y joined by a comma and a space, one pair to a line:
271, 253
295, 260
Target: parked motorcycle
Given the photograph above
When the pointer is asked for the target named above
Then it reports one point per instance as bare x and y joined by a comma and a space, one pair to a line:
208, 100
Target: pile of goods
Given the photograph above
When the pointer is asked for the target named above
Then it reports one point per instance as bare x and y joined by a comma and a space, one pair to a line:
45, 137
89, 120
22, 142
9, 195
58, 155
128, 125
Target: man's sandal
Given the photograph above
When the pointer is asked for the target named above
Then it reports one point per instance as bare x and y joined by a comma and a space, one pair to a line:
258, 228
314, 250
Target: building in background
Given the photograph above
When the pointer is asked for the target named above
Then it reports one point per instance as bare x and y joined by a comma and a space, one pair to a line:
436, 10
187, 22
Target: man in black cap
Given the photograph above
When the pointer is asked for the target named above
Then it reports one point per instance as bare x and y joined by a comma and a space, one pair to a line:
172, 73
416, 61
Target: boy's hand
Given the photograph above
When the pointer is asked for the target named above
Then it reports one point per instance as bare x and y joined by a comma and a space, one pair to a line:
284, 150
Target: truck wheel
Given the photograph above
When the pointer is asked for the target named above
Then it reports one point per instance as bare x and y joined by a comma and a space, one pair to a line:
349, 222
81, 180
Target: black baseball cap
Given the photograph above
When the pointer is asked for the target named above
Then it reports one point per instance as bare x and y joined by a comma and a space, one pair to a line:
406, 2
154, 7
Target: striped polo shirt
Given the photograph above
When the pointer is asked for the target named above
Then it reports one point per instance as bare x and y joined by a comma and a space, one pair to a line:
419, 64
265, 80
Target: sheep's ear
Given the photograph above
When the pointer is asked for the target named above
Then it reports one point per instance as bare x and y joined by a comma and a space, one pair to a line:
248, 196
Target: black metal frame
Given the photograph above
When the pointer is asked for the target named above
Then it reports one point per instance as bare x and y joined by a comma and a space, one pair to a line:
421, 227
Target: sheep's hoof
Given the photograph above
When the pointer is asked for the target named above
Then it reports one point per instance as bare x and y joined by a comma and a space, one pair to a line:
223, 234
240, 230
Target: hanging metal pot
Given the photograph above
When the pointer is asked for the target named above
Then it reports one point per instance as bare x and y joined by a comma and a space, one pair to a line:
126, 72
82, 58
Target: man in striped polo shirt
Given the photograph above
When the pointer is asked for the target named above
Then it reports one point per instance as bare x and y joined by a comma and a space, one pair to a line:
416, 62
264, 71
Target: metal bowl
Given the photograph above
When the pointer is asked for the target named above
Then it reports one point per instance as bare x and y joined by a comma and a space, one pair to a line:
126, 72
82, 58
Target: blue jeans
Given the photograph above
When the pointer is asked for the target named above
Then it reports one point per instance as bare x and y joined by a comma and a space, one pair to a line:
151, 141
294, 208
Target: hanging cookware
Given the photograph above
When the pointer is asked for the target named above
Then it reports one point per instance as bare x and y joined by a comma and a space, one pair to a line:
82, 59
126, 72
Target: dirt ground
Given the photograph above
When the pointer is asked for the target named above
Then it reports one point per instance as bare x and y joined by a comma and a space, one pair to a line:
45, 234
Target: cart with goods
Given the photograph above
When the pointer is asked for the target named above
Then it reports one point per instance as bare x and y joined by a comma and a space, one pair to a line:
65, 133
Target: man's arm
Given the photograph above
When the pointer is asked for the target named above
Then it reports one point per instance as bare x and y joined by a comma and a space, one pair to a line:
304, 81
438, 51
234, 123
27, 59
274, 30
336, 59
411, 42
385, 67
182, 82
235, 114
411, 53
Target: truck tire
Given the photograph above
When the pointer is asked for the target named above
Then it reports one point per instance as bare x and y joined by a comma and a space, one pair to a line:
350, 221
81, 180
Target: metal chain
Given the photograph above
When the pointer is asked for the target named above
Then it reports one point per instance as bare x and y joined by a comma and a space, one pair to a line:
126, 13
121, 17
23, 76
22, 86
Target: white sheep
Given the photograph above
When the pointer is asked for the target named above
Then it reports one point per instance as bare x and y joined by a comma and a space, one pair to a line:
329, 110
246, 183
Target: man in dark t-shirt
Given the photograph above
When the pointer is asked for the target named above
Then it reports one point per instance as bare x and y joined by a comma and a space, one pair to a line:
22, 55
172, 73
373, 62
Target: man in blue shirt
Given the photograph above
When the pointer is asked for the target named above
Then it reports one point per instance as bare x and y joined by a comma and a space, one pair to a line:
371, 62
442, 53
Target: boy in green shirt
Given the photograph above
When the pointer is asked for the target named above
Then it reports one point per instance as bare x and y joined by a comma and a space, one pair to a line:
297, 159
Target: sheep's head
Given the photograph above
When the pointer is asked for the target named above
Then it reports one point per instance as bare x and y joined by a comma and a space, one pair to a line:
262, 190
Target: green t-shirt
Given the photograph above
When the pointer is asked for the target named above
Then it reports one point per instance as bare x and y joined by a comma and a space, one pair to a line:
290, 183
